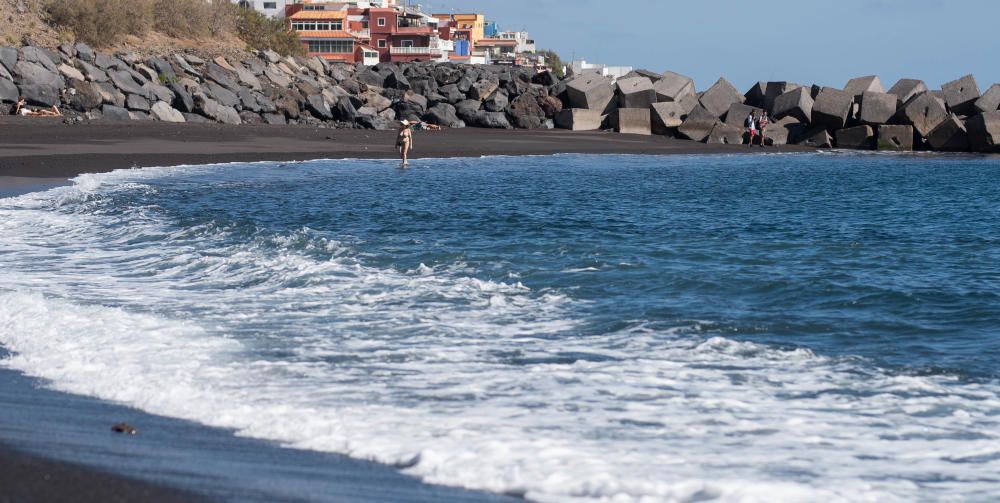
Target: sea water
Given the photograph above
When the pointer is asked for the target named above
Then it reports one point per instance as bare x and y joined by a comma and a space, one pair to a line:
812, 327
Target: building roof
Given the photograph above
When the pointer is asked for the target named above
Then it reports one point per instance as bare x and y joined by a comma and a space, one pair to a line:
318, 15
496, 42
324, 34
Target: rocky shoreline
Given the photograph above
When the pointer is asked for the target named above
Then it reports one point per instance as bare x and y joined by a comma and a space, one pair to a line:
266, 88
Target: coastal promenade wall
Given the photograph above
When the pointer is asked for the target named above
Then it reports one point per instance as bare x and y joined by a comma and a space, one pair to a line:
265, 88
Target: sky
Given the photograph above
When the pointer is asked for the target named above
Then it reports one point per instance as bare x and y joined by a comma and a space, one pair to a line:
804, 41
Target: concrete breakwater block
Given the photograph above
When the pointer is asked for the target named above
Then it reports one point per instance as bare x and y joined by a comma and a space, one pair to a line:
984, 132
673, 86
857, 87
774, 90
755, 96
698, 124
631, 121
961, 95
990, 100
858, 138
688, 102
784, 131
950, 136
877, 108
592, 92
723, 134
737, 114
797, 103
635, 92
832, 108
907, 89
895, 138
817, 138
579, 119
924, 113
666, 117
718, 98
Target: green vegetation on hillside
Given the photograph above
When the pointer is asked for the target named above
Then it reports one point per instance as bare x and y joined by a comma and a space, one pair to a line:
554, 62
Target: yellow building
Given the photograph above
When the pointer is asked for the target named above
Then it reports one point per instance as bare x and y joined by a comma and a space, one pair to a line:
467, 26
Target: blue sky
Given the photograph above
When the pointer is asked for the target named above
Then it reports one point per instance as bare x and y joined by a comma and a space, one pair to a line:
805, 41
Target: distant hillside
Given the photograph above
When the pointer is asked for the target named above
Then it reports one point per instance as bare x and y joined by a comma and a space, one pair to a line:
150, 27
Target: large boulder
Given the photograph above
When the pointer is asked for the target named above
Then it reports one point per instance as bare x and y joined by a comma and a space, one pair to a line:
396, 80
961, 95
698, 124
636, 92
951, 136
224, 96
316, 105
126, 82
773, 90
592, 92
579, 119
8, 58
39, 57
737, 114
183, 100
482, 89
136, 102
164, 112
445, 75
70, 73
344, 110
718, 98
546, 79
221, 76
755, 96
907, 89
38, 85
816, 138
93, 73
673, 86
877, 108
984, 132
990, 100
784, 131
895, 138
724, 134
631, 121
213, 110
484, 119
443, 115
831, 108
924, 113
858, 137
666, 117
861, 85
525, 112
8, 91
797, 103
113, 113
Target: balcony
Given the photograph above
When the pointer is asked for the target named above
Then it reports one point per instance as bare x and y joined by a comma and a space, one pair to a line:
362, 34
415, 51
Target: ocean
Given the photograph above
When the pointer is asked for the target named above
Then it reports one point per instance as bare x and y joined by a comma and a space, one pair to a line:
794, 327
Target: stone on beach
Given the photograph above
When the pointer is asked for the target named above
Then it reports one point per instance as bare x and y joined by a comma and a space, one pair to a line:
990, 100
877, 108
718, 98
870, 84
673, 86
961, 95
984, 132
784, 131
895, 138
631, 121
579, 119
635, 92
115, 113
950, 136
817, 138
164, 112
724, 134
858, 137
907, 89
593, 92
698, 124
8, 91
666, 117
832, 108
924, 113
737, 114
797, 103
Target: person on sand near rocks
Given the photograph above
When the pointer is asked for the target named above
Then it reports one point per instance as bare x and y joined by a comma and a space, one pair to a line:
404, 141
423, 126
751, 124
762, 124
24, 111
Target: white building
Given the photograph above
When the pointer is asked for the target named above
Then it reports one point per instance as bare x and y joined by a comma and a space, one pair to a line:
270, 8
525, 45
581, 67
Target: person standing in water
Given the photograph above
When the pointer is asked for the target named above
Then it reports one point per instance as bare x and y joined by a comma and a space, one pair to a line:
404, 142
762, 124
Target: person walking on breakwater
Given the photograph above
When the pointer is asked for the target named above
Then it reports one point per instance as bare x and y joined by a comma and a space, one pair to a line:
751, 124
404, 141
762, 124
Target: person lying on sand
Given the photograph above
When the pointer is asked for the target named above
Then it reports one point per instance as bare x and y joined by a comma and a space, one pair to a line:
24, 111
427, 127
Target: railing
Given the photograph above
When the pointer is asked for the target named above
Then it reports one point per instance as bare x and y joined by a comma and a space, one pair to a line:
407, 51
367, 33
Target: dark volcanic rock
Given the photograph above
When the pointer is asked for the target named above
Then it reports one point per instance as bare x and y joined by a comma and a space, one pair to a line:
344, 110
492, 120
317, 106
113, 113
443, 115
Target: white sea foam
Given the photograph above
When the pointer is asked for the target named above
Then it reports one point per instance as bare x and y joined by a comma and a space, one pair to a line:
459, 380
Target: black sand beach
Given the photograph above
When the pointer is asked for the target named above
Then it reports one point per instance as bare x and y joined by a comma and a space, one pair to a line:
50, 149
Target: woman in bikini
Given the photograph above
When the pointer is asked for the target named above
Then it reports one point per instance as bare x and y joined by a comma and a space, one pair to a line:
404, 142
24, 111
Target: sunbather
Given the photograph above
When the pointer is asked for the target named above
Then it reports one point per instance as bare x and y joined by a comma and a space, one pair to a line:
25, 111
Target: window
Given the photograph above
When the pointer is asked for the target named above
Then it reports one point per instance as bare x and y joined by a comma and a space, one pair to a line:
381, 44
407, 43
314, 7
331, 46
244, 4
270, 5
320, 26
381, 21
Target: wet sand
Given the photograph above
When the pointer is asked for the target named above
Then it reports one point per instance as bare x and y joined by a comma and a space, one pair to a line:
51, 149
